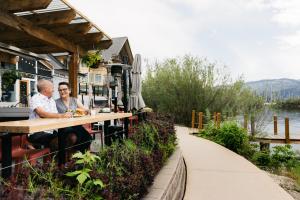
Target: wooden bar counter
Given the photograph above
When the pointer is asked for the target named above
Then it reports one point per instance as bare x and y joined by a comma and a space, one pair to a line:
8, 129
37, 125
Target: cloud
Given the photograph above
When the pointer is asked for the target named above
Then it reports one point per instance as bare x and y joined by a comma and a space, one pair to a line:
257, 38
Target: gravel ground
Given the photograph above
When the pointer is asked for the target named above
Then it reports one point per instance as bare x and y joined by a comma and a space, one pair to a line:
287, 184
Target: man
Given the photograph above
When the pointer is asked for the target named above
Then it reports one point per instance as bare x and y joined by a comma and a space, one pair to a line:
42, 105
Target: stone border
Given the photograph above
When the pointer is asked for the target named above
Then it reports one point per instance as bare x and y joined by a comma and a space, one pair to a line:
170, 182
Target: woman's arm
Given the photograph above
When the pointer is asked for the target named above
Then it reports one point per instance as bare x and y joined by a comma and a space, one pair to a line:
79, 105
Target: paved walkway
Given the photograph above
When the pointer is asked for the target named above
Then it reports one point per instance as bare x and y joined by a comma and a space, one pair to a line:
215, 173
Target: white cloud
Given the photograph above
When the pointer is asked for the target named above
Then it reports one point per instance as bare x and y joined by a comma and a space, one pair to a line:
246, 35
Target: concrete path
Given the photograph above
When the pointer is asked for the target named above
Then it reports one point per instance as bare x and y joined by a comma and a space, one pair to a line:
216, 173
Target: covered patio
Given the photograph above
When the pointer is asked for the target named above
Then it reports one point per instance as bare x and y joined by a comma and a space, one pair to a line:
50, 26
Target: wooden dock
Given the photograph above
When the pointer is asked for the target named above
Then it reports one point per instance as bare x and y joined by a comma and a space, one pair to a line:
277, 140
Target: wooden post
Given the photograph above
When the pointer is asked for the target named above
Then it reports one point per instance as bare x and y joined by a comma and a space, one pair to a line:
275, 125
287, 131
193, 118
73, 73
200, 124
215, 118
246, 121
218, 119
252, 124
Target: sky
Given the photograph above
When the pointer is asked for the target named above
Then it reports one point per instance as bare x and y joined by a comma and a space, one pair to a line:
255, 39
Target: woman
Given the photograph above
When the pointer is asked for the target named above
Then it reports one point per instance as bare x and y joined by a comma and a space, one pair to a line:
69, 104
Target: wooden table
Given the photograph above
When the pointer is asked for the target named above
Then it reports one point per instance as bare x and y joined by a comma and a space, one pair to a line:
8, 129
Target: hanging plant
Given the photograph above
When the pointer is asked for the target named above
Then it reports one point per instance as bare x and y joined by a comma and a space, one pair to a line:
9, 79
92, 59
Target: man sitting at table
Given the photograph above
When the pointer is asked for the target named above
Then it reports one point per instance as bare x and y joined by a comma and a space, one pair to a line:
42, 105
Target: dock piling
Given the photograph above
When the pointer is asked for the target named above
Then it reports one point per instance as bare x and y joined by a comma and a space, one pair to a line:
287, 131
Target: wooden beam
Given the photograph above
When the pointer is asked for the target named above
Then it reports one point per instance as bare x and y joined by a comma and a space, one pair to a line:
42, 34
60, 30
50, 18
73, 73
44, 49
24, 5
104, 44
90, 38
8, 58
78, 28
87, 38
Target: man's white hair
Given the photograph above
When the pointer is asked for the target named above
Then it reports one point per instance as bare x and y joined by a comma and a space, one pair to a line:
42, 84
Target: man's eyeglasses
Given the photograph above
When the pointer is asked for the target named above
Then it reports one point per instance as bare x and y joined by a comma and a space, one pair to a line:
64, 89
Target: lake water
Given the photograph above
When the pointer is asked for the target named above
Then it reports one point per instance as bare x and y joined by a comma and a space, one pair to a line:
266, 125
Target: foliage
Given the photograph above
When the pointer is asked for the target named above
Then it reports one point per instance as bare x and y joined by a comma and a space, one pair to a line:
178, 86
230, 135
262, 159
288, 104
9, 79
283, 157
116, 172
92, 59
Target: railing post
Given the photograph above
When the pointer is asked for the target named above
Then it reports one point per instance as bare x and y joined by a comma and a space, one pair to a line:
193, 118
215, 118
275, 126
252, 124
200, 124
246, 121
218, 119
287, 131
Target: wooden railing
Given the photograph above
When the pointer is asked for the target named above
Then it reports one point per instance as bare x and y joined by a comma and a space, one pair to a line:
264, 139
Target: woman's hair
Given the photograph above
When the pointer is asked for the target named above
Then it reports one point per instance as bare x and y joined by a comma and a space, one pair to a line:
64, 83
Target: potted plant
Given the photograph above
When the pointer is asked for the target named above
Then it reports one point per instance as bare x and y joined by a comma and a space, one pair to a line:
9, 79
92, 59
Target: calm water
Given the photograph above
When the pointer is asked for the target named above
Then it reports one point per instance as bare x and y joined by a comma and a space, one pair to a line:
266, 126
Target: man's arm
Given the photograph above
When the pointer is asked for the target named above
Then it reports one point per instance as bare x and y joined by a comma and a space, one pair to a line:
43, 114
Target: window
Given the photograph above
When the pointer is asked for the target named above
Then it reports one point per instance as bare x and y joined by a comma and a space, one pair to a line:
98, 78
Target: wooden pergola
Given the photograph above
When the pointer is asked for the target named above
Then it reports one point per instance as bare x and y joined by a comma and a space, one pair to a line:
50, 26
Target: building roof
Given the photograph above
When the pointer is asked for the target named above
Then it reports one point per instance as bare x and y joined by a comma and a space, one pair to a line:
115, 49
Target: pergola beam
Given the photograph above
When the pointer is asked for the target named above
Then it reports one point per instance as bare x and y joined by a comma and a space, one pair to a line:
104, 44
42, 34
50, 18
68, 30
90, 38
24, 5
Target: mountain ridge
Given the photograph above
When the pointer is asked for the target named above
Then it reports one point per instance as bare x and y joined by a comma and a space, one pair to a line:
282, 88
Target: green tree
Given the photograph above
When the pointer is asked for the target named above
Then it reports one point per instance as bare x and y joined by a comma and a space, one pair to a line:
177, 86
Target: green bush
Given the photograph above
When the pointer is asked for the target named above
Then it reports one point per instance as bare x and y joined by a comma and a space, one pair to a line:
231, 136
123, 170
283, 157
262, 159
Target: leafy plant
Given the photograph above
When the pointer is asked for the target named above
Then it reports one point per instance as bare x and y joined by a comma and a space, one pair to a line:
262, 159
9, 79
92, 59
283, 157
86, 183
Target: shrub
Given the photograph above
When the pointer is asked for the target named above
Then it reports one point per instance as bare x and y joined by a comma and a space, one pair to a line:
262, 159
283, 157
123, 170
231, 136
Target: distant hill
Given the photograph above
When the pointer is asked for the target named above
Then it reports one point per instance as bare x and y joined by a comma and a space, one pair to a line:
273, 89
